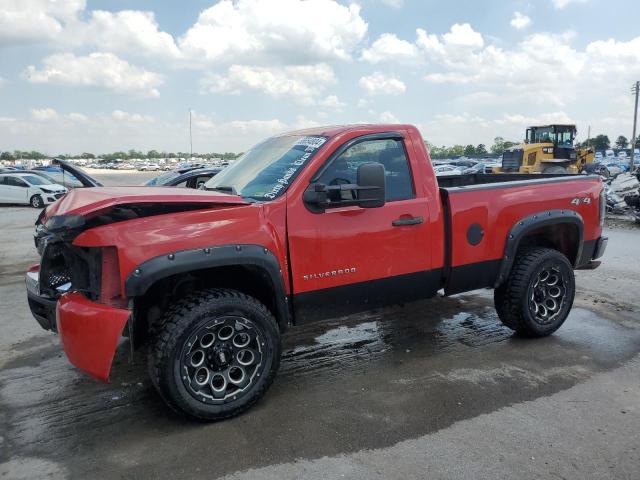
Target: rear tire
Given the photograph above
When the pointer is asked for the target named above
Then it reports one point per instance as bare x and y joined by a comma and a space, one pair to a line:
36, 201
536, 298
556, 169
214, 354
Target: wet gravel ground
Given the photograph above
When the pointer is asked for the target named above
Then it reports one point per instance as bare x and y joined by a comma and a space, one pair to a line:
435, 389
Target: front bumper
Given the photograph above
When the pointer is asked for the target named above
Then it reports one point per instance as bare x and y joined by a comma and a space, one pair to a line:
89, 331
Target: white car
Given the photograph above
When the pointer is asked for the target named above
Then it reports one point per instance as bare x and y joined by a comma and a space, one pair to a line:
29, 189
445, 170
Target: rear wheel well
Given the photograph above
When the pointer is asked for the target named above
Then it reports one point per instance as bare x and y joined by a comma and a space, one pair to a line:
563, 237
248, 279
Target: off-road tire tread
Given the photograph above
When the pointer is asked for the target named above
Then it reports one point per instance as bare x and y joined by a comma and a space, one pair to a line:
166, 329
508, 296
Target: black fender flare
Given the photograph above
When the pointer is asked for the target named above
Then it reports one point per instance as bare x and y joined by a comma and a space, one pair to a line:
183, 261
537, 220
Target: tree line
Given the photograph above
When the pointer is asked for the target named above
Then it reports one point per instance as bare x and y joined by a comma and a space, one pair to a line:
110, 157
599, 142
602, 142
480, 150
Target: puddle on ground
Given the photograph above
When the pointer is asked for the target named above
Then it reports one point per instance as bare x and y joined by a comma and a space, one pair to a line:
425, 353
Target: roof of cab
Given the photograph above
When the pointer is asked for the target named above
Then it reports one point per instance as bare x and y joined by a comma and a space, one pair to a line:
333, 130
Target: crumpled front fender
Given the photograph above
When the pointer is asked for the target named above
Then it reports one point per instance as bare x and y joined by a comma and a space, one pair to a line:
89, 333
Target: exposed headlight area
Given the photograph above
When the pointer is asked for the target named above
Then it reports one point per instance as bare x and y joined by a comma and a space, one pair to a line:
64, 267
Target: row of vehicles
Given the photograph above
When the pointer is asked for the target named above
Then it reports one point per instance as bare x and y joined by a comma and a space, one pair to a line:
306, 225
38, 187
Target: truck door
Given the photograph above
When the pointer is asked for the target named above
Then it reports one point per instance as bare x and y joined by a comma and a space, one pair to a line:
349, 258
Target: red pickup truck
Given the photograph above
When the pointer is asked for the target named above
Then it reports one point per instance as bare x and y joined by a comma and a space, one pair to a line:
306, 225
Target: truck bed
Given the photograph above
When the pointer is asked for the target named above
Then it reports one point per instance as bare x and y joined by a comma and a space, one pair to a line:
481, 210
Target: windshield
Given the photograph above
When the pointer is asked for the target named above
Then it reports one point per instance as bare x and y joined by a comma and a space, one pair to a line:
35, 180
557, 135
266, 171
544, 135
163, 179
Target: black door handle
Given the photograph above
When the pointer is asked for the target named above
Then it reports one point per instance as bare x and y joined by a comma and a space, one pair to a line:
403, 222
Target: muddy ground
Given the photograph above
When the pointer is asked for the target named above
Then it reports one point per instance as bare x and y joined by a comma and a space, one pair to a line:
434, 389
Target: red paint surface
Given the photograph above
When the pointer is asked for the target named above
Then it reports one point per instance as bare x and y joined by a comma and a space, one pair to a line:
89, 333
93, 201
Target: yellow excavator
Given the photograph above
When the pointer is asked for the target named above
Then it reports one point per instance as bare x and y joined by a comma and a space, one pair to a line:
547, 149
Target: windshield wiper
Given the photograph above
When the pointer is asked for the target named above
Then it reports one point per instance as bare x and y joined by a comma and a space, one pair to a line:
224, 188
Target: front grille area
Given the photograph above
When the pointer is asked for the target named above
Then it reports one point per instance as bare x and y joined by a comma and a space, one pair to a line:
512, 159
63, 263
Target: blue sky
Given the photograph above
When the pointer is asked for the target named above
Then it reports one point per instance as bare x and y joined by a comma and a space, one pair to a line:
113, 75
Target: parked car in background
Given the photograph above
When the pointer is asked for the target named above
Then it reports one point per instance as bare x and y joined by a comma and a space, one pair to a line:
61, 177
29, 189
622, 156
444, 169
598, 157
191, 178
609, 155
151, 167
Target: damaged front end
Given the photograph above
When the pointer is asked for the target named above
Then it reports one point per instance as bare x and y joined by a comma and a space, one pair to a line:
74, 291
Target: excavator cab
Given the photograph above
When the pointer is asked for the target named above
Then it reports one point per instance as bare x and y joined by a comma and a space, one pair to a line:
547, 149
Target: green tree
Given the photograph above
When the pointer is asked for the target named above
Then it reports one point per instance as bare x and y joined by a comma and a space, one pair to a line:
622, 142
481, 150
153, 154
600, 142
6, 156
470, 151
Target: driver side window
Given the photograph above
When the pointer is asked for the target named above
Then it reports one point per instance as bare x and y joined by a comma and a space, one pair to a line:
389, 152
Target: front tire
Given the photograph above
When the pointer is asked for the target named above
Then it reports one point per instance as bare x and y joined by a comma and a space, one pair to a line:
214, 354
537, 297
36, 201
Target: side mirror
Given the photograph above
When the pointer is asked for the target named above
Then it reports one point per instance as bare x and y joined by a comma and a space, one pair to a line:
371, 183
369, 191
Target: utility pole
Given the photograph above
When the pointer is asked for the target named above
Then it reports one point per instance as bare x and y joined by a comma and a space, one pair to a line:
191, 138
634, 90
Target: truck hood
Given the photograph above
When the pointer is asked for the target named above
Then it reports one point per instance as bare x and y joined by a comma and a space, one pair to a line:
90, 202
83, 177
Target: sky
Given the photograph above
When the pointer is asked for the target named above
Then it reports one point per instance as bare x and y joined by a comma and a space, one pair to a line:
101, 76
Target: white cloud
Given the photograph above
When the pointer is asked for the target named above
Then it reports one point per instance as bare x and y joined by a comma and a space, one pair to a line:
332, 101
466, 128
520, 21
389, 47
393, 3
131, 117
561, 4
388, 117
30, 21
123, 130
296, 32
43, 114
77, 117
380, 84
103, 70
299, 83
128, 31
